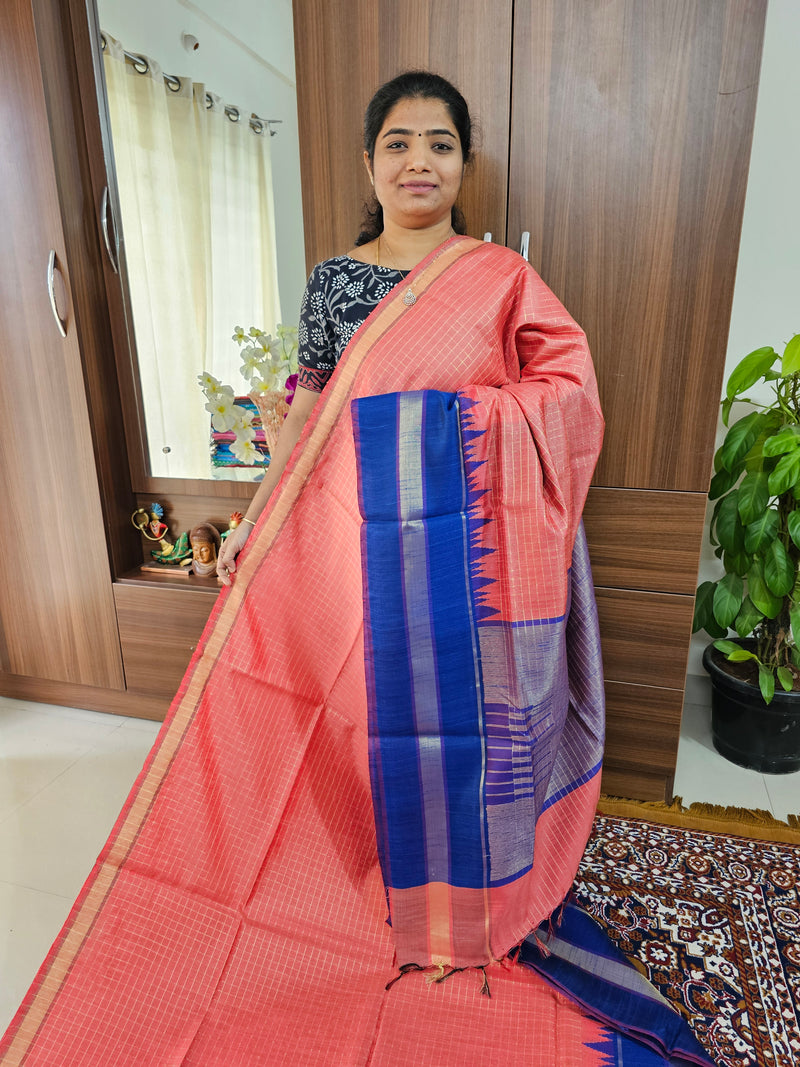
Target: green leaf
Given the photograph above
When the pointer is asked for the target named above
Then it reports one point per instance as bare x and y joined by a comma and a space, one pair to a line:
786, 678
723, 481
727, 647
753, 496
795, 654
791, 357
734, 562
793, 526
794, 619
712, 525
728, 598
748, 618
729, 530
749, 370
740, 439
766, 683
704, 611
779, 571
785, 441
766, 602
741, 655
759, 534
786, 475
727, 404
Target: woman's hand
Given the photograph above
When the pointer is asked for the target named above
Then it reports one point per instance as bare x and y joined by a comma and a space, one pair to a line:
234, 543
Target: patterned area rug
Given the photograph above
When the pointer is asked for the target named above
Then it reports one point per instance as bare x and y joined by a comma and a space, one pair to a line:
714, 922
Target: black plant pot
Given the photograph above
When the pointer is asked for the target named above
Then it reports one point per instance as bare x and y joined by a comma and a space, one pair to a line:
745, 730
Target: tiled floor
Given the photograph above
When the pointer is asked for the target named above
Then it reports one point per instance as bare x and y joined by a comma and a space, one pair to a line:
64, 774
704, 775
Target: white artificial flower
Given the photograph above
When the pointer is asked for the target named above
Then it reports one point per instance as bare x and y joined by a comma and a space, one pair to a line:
213, 387
245, 451
268, 382
243, 423
238, 334
222, 413
252, 362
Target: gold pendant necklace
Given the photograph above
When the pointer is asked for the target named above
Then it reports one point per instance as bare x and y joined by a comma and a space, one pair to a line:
409, 297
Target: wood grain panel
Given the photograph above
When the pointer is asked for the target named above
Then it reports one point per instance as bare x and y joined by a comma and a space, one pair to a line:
635, 785
641, 539
642, 727
645, 636
56, 605
345, 51
159, 629
80, 214
72, 695
630, 140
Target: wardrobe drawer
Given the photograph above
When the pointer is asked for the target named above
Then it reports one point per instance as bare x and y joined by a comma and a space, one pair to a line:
645, 636
159, 629
642, 727
644, 539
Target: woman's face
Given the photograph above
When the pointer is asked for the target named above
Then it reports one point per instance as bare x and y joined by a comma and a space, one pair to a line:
418, 166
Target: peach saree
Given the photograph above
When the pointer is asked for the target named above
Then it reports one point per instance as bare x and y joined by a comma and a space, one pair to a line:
409, 644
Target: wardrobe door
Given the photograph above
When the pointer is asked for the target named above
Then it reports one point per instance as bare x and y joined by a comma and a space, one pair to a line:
345, 51
57, 618
631, 131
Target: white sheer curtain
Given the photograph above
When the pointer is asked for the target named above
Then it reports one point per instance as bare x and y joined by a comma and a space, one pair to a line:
198, 222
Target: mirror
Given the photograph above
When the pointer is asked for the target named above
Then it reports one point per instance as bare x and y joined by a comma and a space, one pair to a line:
203, 249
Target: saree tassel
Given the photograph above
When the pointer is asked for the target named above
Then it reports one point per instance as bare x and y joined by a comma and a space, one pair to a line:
511, 958
407, 968
540, 944
485, 990
438, 976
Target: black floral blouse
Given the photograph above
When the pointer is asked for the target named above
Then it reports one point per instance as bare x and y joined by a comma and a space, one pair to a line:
340, 294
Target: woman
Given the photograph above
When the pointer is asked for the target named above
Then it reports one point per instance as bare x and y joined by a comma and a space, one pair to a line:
416, 175
397, 701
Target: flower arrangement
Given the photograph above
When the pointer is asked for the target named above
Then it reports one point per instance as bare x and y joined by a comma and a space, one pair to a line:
269, 366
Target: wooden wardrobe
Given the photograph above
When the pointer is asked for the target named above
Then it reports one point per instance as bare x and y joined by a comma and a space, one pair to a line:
617, 133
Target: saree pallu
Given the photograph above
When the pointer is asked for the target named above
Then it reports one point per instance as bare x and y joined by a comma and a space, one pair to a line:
237, 914
484, 679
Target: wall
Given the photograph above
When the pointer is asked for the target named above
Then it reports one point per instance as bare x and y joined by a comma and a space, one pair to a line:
239, 42
766, 300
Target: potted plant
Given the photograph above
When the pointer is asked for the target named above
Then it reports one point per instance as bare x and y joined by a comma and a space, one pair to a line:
755, 528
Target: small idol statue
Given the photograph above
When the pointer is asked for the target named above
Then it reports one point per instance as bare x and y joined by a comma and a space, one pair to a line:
205, 541
151, 525
233, 522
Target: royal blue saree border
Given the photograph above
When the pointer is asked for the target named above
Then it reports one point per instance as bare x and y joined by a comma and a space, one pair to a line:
581, 960
425, 716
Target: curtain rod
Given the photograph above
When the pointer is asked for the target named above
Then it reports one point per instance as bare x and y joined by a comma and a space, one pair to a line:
141, 66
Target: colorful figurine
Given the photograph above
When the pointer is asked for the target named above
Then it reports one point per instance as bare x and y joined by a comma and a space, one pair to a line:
151, 526
233, 522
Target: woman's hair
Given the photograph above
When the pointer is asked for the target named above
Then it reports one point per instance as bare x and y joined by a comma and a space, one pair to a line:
414, 84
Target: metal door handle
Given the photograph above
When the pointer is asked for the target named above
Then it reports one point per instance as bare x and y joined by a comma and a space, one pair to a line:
112, 254
525, 245
51, 271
